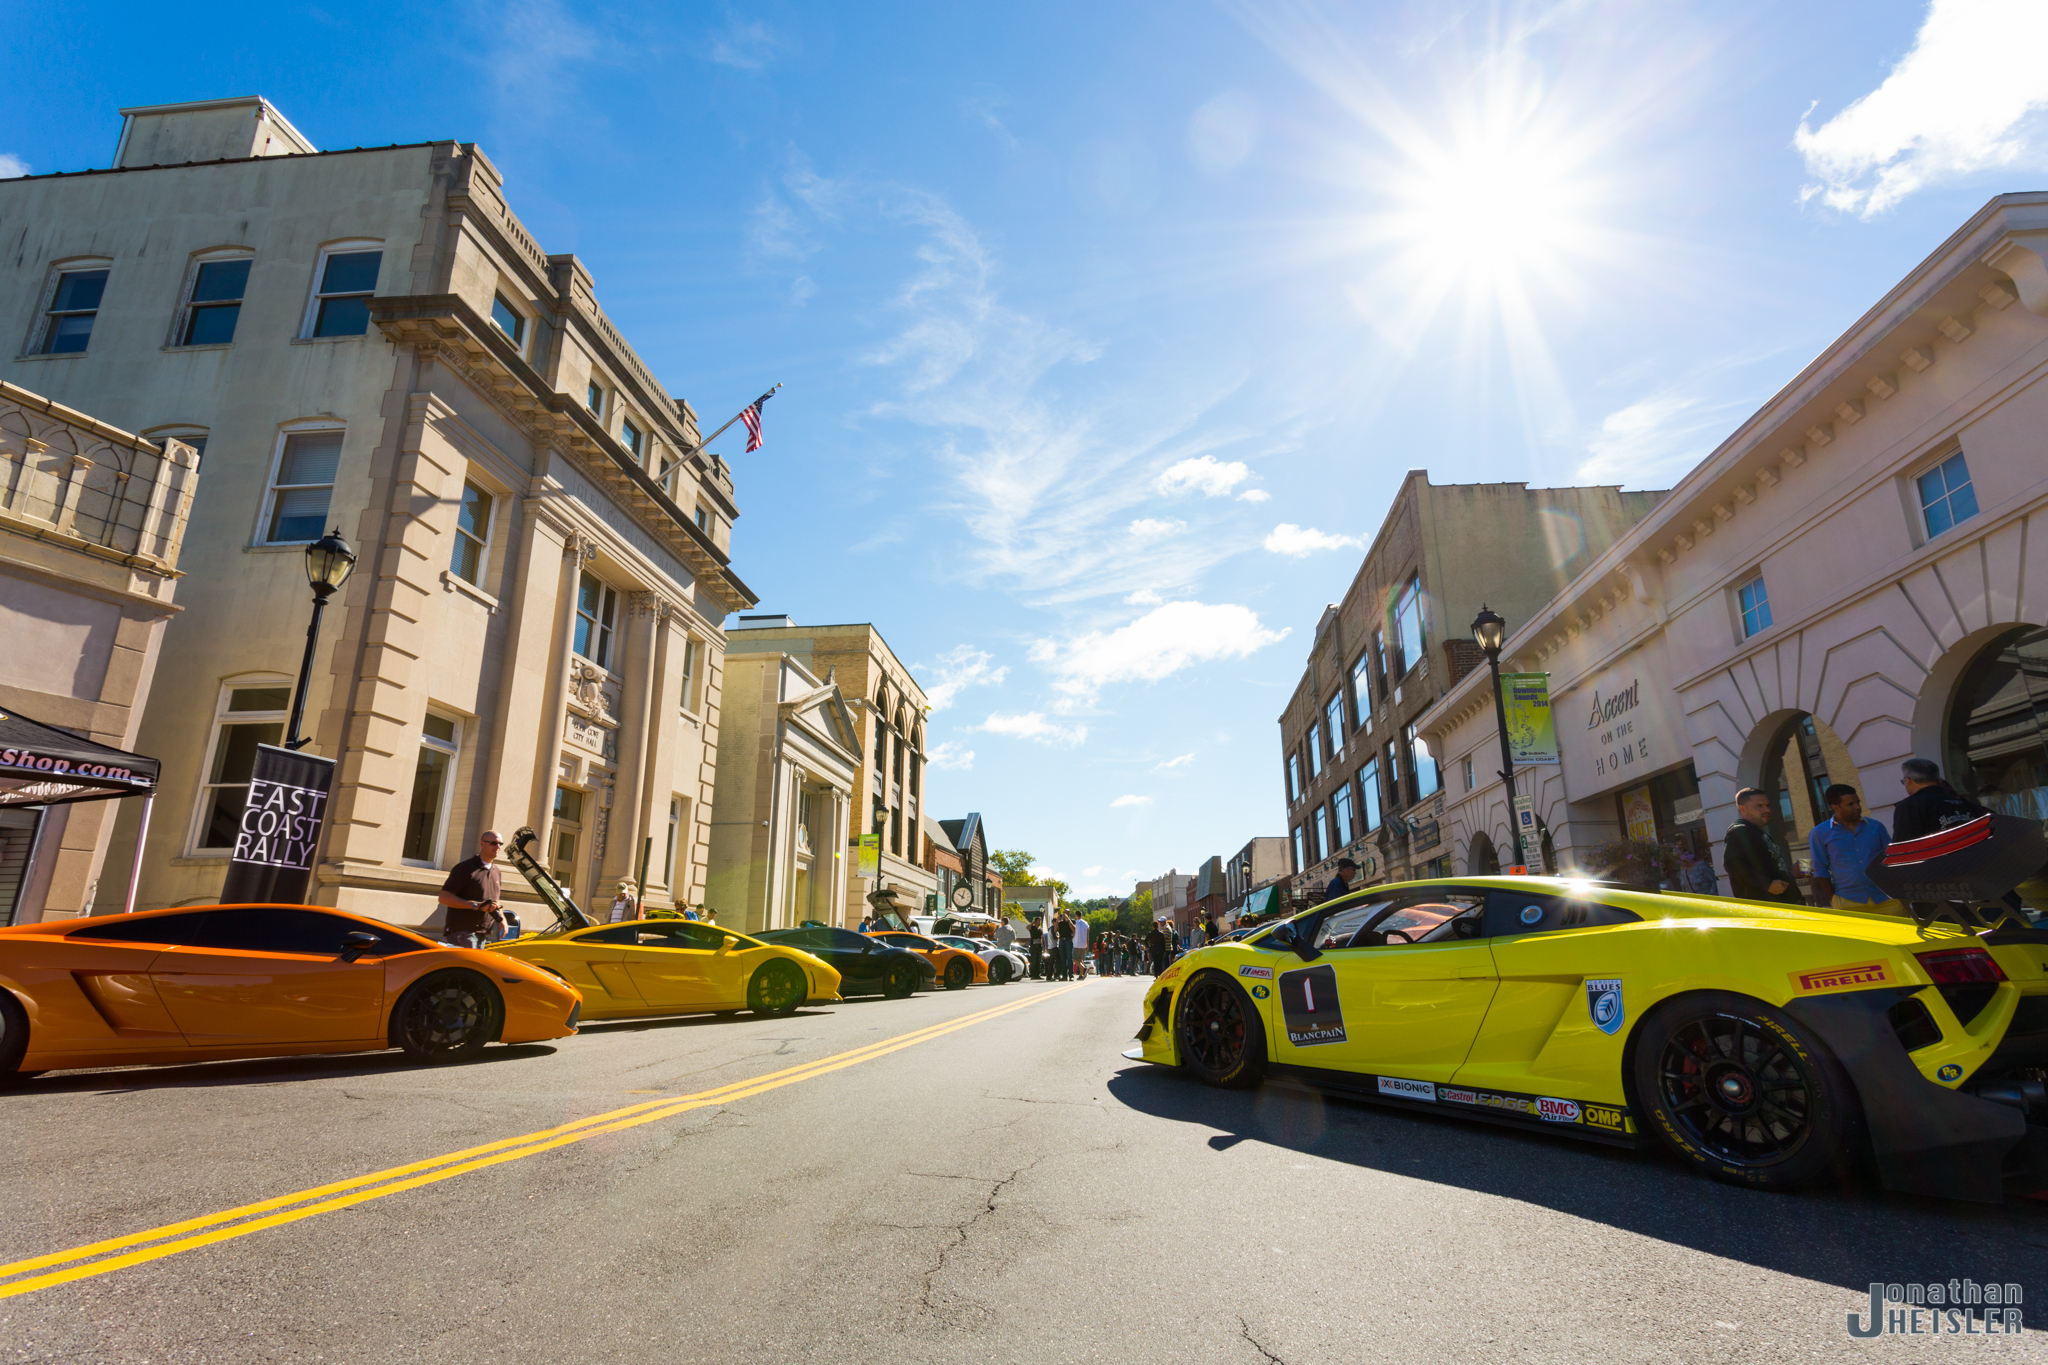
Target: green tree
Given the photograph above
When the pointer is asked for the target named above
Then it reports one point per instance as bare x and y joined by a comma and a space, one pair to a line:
1013, 865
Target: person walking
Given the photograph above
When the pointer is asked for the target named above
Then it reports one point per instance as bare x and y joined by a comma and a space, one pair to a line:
1843, 845
1340, 885
1211, 931
1077, 965
1155, 947
1037, 937
471, 895
1696, 875
625, 902
1758, 867
1064, 928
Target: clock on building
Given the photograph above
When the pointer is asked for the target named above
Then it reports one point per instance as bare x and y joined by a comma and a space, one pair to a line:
963, 896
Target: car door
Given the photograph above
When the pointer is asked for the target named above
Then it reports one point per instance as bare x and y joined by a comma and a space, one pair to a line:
679, 964
1398, 990
859, 960
594, 961
269, 974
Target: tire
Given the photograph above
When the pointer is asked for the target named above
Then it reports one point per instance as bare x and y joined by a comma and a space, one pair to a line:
1741, 1092
13, 1039
1218, 1034
900, 980
999, 972
959, 976
447, 1016
777, 989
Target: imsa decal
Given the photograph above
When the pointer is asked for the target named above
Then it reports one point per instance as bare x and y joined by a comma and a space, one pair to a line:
1263, 973
1309, 1005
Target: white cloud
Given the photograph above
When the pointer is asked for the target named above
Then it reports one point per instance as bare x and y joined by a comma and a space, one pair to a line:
1148, 528
1968, 97
1655, 439
743, 45
959, 668
947, 754
12, 166
801, 288
1170, 764
1033, 725
1128, 800
1160, 643
1298, 542
1203, 474
1093, 871
1254, 495
1143, 597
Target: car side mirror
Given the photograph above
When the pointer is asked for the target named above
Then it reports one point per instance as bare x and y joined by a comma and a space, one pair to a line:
729, 944
354, 945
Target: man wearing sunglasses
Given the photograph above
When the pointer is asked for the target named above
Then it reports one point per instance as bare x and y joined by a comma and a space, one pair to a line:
471, 896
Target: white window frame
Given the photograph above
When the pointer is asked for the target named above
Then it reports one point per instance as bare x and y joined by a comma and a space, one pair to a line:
626, 421
439, 842
693, 652
604, 630
1742, 630
39, 323
1926, 532
267, 503
222, 717
675, 835
490, 535
346, 247
181, 321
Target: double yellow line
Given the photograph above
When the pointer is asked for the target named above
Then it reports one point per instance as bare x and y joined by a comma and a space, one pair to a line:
118, 1253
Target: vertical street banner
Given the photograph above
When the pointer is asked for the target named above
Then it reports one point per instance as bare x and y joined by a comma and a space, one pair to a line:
1532, 733
273, 859
1640, 813
870, 856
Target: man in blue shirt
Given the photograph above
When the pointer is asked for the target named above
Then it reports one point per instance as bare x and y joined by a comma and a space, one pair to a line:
1842, 847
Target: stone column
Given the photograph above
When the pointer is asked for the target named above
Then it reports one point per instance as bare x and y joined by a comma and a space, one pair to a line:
519, 719
629, 810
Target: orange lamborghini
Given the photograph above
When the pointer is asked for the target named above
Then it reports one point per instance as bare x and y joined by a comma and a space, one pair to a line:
957, 968
222, 981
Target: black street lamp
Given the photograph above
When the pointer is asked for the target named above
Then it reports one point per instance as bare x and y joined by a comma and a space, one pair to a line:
329, 562
1490, 630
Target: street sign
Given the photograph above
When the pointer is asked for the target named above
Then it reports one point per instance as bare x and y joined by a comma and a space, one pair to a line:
1525, 814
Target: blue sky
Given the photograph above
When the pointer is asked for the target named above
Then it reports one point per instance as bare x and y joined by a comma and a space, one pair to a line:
1108, 331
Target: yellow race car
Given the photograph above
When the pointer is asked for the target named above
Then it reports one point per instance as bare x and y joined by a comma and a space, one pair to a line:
1761, 1044
675, 966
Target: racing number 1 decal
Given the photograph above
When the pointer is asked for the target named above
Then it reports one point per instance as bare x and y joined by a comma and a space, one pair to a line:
1308, 1002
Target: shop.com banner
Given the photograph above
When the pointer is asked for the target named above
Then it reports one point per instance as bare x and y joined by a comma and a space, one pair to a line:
1532, 734
273, 860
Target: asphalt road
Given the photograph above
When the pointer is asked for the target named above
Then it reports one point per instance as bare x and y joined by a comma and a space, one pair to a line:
974, 1187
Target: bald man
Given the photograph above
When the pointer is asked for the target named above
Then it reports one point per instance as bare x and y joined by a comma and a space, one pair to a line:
471, 895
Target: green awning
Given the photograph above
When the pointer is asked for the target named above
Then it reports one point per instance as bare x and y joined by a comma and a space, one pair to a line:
1260, 902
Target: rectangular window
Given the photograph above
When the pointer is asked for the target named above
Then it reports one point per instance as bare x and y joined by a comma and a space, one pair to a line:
1361, 688
1315, 752
1369, 796
472, 533
690, 675
508, 319
594, 398
1300, 854
629, 435
1340, 815
1946, 495
341, 305
1408, 627
426, 818
1390, 764
597, 610
675, 829
1470, 782
1427, 779
216, 303
567, 832
303, 487
1293, 778
1322, 833
1379, 660
1333, 714
1756, 606
72, 310
703, 518
247, 717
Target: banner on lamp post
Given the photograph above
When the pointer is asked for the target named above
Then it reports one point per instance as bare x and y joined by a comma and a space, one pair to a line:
280, 828
1532, 734
870, 856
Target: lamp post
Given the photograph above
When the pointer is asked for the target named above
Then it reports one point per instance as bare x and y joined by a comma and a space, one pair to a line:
1489, 629
329, 562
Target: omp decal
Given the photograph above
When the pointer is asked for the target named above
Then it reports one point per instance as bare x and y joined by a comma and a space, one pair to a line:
1263, 973
1601, 1116
1855, 978
1604, 1003
1557, 1111
1309, 1004
1451, 1096
1408, 1090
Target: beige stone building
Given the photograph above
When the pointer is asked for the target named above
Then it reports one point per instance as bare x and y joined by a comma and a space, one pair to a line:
370, 339
1846, 582
787, 765
888, 791
92, 520
1361, 780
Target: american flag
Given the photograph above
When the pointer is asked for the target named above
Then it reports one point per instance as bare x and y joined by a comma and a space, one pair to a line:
752, 417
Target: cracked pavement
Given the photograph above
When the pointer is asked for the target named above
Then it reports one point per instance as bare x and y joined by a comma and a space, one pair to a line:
1012, 1191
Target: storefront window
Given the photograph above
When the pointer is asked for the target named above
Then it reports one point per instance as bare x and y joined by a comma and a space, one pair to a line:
1998, 729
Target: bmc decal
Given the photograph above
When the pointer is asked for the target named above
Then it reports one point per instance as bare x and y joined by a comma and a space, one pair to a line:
1557, 1111
1949, 1073
1862, 976
1261, 991
1407, 1090
1452, 1096
1263, 973
1601, 1116
1309, 1004
1603, 1002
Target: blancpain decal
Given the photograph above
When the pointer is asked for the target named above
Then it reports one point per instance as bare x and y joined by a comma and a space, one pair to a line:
1558, 1111
1263, 973
1408, 1090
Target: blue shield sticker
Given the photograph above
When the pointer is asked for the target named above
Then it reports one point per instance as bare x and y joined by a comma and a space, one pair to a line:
1603, 1002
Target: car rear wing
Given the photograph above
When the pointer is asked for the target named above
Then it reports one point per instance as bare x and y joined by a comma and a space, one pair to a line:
567, 916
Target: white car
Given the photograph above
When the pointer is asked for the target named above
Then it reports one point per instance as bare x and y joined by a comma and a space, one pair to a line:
1004, 964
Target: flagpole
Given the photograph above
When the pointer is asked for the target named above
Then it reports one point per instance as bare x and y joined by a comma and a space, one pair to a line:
699, 447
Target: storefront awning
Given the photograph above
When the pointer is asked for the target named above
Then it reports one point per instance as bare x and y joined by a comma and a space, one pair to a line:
1260, 902
44, 766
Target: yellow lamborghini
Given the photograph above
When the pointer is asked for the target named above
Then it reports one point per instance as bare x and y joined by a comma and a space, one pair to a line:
676, 966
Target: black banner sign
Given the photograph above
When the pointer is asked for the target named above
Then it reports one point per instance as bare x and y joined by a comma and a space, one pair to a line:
281, 821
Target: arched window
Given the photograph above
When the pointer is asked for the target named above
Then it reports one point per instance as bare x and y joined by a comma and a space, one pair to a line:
1998, 726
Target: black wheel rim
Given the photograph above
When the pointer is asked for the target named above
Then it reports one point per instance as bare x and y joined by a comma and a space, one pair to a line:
1212, 1027
445, 1017
959, 973
1736, 1090
778, 988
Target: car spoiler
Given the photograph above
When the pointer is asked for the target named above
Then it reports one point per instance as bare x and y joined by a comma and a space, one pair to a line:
567, 916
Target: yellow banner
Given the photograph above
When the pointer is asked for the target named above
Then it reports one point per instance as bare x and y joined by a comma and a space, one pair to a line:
1532, 734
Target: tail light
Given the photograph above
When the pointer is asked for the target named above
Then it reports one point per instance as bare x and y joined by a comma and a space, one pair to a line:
1961, 967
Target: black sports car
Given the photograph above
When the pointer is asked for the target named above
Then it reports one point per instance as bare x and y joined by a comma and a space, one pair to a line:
866, 966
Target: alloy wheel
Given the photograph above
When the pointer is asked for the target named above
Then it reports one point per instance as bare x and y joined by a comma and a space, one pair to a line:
1212, 1026
1737, 1090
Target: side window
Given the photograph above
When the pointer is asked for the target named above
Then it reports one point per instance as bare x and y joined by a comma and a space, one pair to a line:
848, 939
125, 929
1439, 918
75, 304
268, 929
624, 935
342, 285
214, 306
1340, 928
1509, 913
472, 534
681, 934
302, 487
